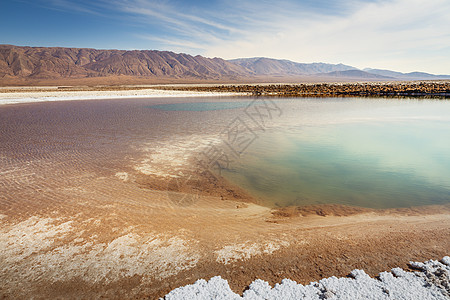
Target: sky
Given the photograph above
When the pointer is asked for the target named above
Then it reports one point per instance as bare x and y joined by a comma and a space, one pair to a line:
400, 35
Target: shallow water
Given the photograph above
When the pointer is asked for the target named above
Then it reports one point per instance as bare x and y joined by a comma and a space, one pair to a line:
364, 164
201, 106
377, 153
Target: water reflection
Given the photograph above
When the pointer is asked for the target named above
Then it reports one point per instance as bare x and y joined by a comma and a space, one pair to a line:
367, 153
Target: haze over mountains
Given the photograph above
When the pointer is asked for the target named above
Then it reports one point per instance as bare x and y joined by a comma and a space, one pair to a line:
34, 63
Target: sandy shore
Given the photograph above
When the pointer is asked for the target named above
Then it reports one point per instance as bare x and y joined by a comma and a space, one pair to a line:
440, 89
100, 199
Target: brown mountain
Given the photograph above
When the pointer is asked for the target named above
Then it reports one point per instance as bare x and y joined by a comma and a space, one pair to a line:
56, 63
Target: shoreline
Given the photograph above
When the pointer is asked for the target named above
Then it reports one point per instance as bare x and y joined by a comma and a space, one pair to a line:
439, 89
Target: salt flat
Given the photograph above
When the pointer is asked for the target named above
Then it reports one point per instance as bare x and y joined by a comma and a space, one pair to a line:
22, 95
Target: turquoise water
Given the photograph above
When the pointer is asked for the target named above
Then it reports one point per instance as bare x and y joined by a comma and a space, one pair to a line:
373, 165
377, 153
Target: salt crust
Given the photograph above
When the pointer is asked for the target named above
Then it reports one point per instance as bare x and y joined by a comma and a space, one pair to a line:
431, 281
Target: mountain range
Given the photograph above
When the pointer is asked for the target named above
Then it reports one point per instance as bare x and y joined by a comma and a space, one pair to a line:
53, 63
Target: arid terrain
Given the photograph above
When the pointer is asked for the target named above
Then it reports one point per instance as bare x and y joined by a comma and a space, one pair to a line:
103, 198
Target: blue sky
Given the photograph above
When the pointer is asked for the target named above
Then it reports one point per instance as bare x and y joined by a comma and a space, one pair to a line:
402, 35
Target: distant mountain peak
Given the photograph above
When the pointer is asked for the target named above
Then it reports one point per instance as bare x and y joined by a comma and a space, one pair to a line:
356, 74
271, 66
406, 76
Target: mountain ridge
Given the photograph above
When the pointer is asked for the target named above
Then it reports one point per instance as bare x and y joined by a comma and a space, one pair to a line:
271, 66
57, 62
53, 63
406, 76
356, 74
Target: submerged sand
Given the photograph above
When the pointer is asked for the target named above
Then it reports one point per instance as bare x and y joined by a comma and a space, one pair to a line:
86, 213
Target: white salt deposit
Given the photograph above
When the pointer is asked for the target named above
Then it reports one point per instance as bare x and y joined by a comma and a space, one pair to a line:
34, 96
245, 251
123, 176
431, 282
53, 248
170, 158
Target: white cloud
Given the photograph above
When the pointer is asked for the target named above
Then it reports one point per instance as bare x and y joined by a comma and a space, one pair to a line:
404, 35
